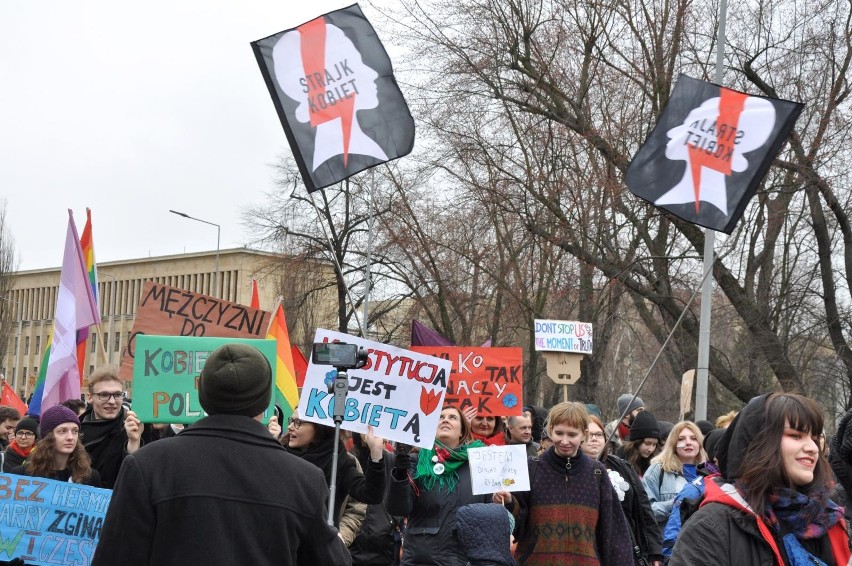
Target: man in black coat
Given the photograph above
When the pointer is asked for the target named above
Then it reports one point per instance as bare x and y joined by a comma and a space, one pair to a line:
223, 491
110, 431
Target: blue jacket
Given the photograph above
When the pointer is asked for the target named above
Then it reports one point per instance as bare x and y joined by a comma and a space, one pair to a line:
692, 490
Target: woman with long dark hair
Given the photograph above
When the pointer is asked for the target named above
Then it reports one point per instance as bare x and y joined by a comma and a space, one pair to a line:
774, 507
59, 454
315, 443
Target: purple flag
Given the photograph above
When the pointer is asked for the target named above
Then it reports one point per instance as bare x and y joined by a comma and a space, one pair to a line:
75, 309
422, 335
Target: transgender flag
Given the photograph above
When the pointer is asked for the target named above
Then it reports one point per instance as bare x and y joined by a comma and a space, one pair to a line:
75, 309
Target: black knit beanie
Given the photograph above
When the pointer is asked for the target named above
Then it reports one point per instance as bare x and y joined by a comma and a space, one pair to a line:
27, 424
644, 426
236, 380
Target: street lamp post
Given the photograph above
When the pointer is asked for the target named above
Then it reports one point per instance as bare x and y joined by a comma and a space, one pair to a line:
218, 234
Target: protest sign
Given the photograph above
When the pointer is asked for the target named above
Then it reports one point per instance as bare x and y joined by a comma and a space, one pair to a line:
489, 379
166, 373
499, 468
398, 392
47, 522
169, 311
563, 336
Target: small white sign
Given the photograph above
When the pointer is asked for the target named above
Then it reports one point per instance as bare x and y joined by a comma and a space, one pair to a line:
563, 336
499, 468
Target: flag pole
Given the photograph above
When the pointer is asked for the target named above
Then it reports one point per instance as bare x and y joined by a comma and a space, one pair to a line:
334, 257
370, 221
703, 369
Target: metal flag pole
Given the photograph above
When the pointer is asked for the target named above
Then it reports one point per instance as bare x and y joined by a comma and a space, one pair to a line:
334, 257
370, 221
703, 369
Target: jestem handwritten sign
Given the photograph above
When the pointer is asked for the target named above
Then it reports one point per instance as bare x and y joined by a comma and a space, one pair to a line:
499, 468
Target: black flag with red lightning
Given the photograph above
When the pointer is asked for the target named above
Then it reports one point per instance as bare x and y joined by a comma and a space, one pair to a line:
709, 152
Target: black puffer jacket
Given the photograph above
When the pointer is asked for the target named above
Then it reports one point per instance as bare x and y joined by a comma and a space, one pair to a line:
375, 543
484, 534
431, 537
637, 509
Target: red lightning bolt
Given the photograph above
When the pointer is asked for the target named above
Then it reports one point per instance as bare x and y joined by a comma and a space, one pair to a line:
730, 107
313, 62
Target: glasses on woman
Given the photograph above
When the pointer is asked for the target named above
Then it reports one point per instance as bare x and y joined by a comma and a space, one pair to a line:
24, 434
296, 423
597, 435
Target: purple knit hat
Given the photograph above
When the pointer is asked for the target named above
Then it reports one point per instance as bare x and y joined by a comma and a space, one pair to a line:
55, 416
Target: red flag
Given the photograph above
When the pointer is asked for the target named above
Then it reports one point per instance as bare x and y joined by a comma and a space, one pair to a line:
11, 400
300, 364
255, 295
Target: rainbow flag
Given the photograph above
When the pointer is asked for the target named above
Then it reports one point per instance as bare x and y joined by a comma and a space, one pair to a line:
286, 393
87, 245
35, 402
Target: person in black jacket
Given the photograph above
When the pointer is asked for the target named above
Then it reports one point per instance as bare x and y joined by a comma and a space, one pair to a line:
429, 489
223, 491
110, 431
26, 435
315, 443
379, 537
772, 508
647, 541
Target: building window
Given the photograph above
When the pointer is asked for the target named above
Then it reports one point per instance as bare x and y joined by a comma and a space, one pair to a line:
26, 345
35, 372
14, 373
16, 345
38, 345
91, 370
94, 339
117, 342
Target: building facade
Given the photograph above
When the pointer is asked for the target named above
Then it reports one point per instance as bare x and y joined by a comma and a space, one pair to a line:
119, 287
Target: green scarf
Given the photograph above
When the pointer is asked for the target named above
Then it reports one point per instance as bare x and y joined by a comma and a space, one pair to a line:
451, 458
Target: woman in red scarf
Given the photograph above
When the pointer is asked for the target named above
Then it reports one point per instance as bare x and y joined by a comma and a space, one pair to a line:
26, 434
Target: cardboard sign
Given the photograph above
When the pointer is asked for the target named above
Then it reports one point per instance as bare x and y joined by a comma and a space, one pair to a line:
489, 379
48, 522
398, 392
499, 468
169, 311
166, 372
563, 336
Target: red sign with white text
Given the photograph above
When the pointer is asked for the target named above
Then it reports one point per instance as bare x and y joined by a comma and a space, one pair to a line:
489, 379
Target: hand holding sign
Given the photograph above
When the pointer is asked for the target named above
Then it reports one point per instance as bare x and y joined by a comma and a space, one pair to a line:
375, 444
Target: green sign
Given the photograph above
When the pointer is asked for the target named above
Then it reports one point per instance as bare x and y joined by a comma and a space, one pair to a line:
166, 370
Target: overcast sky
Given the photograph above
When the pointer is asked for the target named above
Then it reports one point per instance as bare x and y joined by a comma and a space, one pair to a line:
132, 109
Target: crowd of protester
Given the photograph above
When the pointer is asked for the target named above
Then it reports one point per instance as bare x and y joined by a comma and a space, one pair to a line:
758, 487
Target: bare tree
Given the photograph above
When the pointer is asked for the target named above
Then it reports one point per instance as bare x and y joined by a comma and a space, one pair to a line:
596, 75
8, 267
